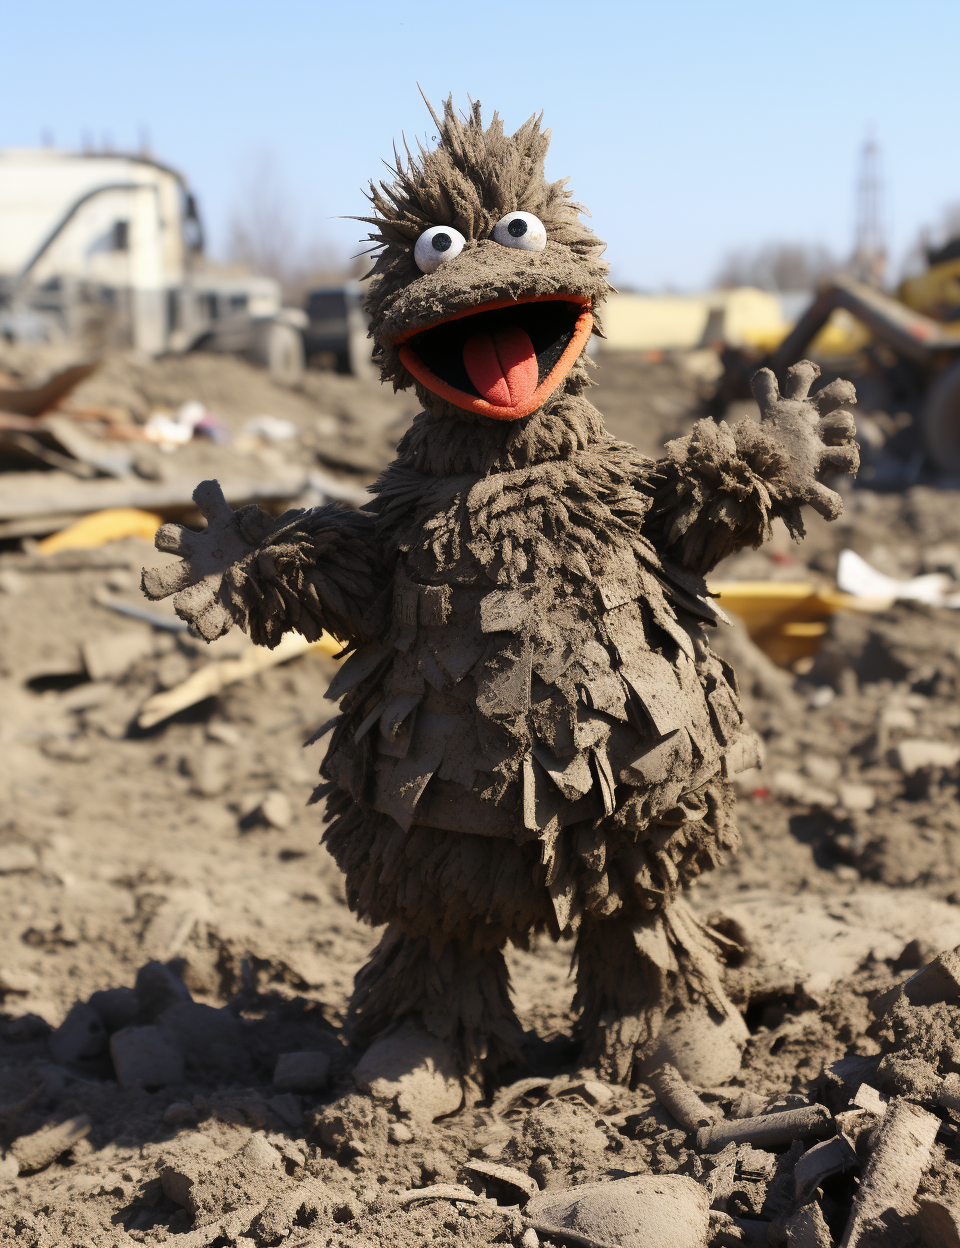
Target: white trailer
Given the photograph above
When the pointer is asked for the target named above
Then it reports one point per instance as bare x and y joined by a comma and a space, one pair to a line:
108, 249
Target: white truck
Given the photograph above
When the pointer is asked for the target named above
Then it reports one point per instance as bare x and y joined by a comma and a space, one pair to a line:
107, 250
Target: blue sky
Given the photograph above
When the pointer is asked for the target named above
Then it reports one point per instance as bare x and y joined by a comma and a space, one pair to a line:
688, 128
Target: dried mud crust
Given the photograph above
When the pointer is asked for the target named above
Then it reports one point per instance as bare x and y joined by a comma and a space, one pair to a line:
119, 847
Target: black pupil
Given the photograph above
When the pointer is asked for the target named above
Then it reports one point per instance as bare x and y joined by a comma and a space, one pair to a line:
517, 228
443, 242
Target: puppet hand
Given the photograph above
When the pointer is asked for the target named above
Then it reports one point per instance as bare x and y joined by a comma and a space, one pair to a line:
816, 433
229, 538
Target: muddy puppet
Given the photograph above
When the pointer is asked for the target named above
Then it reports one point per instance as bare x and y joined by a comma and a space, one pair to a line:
535, 736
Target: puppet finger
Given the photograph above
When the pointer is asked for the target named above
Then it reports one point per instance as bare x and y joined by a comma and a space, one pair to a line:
765, 389
800, 377
834, 395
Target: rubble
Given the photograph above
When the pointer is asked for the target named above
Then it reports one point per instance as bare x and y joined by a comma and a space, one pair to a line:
170, 921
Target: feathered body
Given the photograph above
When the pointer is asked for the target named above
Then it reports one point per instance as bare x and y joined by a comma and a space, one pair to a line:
534, 733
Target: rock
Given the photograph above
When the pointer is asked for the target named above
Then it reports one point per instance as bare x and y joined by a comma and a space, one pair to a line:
157, 988
17, 856
275, 809
516, 1187
180, 1114
117, 1007
705, 1047
209, 770
400, 1133
808, 1229
287, 1108
414, 1070
822, 769
856, 797
146, 1057
81, 1034
592, 1091
915, 754
207, 1034
111, 656
307, 1071
35, 1151
794, 787
258, 1154
529, 1238
644, 1211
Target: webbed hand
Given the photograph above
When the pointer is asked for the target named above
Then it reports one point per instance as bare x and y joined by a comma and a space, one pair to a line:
814, 431
229, 538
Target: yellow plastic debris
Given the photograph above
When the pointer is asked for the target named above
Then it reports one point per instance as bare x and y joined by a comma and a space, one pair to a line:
786, 619
101, 527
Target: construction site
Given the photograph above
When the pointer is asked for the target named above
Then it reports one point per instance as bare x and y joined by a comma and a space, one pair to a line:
179, 1059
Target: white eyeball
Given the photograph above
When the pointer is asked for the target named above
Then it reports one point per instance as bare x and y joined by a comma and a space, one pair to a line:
522, 230
436, 245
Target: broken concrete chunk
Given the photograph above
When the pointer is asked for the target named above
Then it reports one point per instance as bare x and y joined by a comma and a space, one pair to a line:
644, 1211
146, 1057
822, 768
111, 656
180, 1114
938, 981
915, 754
35, 1151
117, 1007
808, 1229
81, 1034
794, 787
413, 1069
275, 809
17, 856
869, 1098
900, 1155
157, 988
856, 797
306, 1071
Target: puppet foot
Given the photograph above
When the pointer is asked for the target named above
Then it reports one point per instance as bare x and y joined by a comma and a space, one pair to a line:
650, 991
416, 1072
703, 1043
435, 1007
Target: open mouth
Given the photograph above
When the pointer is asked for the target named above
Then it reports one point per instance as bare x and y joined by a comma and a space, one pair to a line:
500, 359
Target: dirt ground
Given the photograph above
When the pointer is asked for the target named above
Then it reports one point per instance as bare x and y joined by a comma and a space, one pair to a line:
166, 885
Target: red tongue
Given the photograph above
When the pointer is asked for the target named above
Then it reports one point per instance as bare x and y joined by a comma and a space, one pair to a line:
502, 365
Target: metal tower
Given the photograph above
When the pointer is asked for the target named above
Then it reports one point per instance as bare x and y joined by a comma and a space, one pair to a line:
869, 260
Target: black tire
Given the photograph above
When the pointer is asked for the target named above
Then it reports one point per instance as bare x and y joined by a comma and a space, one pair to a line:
286, 359
941, 422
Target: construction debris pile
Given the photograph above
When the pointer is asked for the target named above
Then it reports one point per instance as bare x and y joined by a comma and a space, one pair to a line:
177, 949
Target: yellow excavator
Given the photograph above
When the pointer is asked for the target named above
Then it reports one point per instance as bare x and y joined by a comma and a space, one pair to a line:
916, 331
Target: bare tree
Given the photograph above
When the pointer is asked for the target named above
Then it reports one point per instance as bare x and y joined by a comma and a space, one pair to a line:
776, 266
266, 232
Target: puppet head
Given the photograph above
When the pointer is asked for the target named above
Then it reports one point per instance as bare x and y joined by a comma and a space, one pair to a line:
486, 284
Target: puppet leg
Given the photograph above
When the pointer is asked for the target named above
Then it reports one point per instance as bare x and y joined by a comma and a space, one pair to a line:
649, 991
453, 996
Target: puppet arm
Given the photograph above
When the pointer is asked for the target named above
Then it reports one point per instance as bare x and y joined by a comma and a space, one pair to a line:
720, 488
307, 571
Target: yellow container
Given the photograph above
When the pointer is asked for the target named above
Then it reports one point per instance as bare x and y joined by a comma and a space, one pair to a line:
786, 619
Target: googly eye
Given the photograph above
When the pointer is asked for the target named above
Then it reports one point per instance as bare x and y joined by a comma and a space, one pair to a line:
437, 245
522, 230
